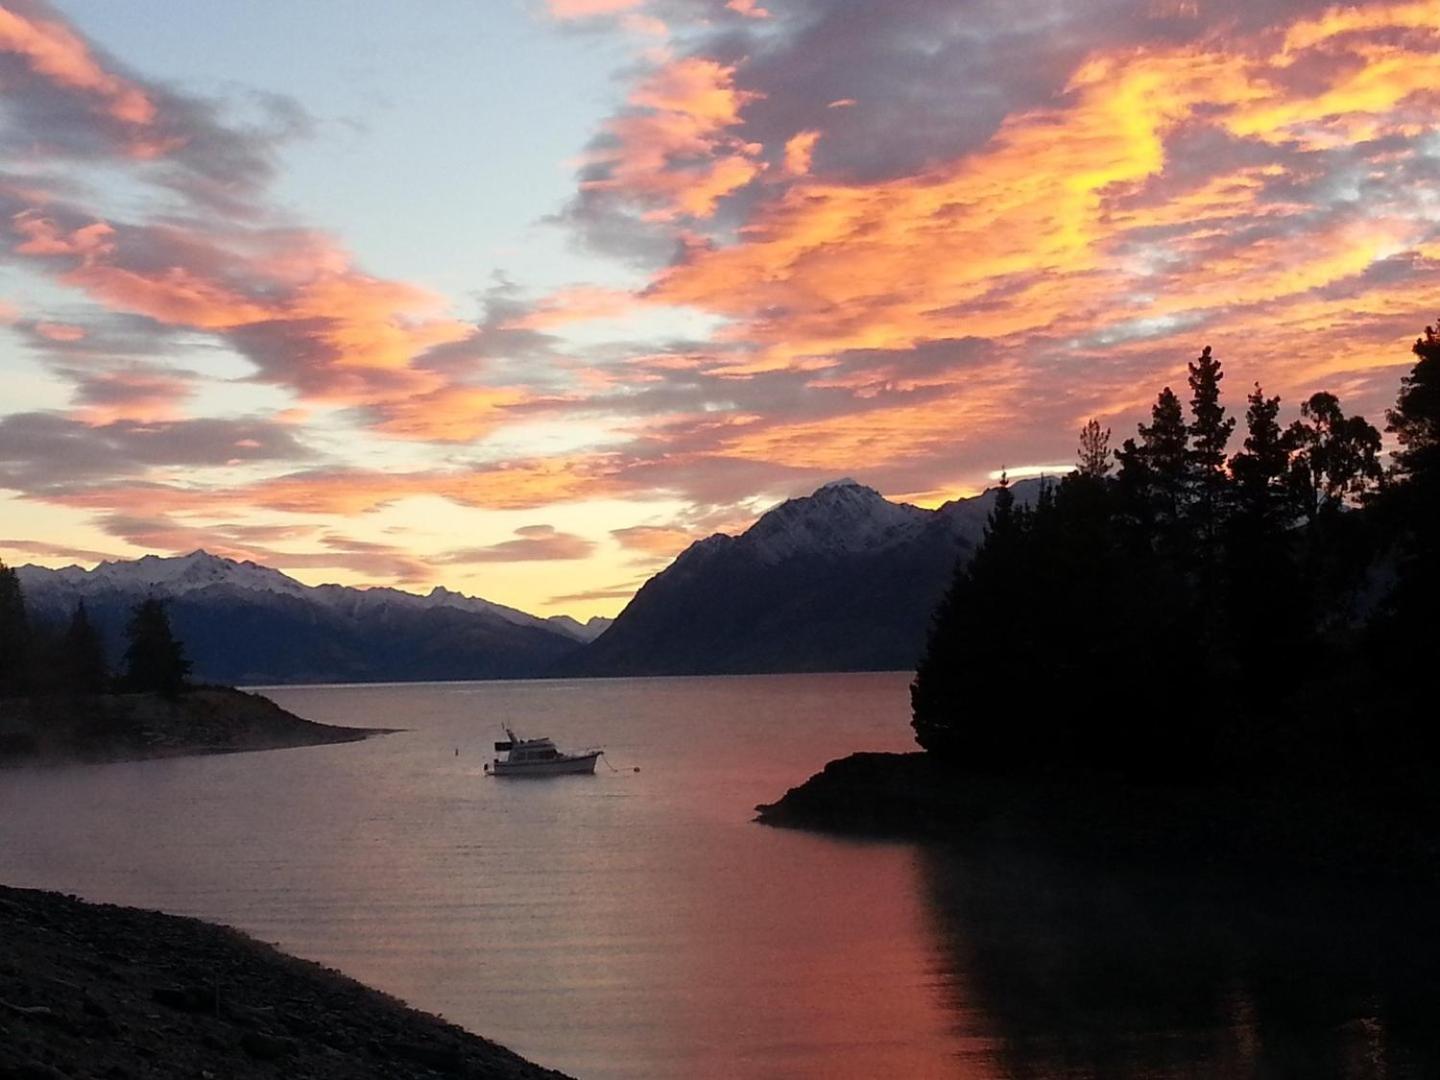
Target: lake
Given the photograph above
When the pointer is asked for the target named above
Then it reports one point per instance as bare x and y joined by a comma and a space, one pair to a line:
638, 924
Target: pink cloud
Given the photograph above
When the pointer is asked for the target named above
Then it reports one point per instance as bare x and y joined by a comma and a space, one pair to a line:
58, 55
63, 332
589, 9
672, 154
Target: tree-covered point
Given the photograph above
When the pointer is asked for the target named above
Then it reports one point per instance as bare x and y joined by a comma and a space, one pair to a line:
37, 658
1198, 616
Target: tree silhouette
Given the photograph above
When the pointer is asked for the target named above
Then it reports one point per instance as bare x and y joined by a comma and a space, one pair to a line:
14, 633
1233, 621
1094, 456
1336, 457
1262, 468
1415, 419
154, 659
82, 655
1209, 434
1153, 473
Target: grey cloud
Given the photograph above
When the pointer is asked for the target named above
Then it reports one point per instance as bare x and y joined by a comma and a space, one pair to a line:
45, 452
532, 543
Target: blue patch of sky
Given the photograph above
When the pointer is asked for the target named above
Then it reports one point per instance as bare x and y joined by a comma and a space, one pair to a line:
444, 131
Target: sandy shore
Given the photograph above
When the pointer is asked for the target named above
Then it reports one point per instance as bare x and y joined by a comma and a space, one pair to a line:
129, 727
96, 991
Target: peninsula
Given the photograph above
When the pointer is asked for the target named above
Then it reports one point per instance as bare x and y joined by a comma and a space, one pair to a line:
101, 727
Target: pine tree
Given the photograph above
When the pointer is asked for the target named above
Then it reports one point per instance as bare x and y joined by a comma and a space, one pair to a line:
1209, 434
154, 659
14, 633
1153, 473
1415, 419
979, 629
1261, 468
83, 655
1413, 506
1094, 454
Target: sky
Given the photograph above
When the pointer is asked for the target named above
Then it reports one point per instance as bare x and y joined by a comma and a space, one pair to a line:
522, 297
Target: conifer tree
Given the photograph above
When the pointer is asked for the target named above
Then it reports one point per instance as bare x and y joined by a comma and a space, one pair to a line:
1153, 473
1415, 419
1209, 432
154, 659
1261, 468
978, 629
1413, 504
14, 633
83, 654
1094, 454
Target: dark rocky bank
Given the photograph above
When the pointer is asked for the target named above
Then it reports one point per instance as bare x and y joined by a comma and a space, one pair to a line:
97, 991
912, 796
127, 727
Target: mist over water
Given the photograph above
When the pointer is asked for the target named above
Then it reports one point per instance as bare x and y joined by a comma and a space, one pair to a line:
639, 925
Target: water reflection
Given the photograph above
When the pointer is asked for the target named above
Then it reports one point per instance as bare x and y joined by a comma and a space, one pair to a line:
1075, 971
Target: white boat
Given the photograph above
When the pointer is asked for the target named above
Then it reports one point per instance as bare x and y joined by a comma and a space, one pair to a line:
538, 757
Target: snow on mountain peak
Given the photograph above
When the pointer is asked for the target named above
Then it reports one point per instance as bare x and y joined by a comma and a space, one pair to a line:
841, 517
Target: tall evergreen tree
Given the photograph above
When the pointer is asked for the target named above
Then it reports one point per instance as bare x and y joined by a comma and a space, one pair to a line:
1261, 469
1094, 455
14, 633
154, 659
979, 627
1406, 638
1415, 419
1209, 432
83, 654
1154, 474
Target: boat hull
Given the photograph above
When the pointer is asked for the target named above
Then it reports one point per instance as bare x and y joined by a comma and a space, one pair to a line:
575, 764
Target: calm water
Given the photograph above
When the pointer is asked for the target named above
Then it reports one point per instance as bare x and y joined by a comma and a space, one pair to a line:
638, 925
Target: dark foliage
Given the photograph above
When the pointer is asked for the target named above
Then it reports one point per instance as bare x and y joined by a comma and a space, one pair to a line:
154, 659
38, 657
82, 655
1259, 619
14, 633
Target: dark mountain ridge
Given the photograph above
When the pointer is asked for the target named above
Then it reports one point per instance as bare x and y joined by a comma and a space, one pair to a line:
247, 624
841, 580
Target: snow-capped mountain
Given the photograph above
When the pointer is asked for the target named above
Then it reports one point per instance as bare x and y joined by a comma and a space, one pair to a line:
842, 579
841, 518
243, 622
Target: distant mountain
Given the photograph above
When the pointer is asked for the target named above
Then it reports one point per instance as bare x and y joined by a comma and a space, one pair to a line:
840, 580
248, 624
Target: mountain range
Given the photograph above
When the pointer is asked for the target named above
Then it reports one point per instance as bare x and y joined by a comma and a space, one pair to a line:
247, 624
842, 579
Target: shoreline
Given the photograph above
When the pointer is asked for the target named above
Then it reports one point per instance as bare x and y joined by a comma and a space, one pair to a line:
96, 990
912, 797
107, 728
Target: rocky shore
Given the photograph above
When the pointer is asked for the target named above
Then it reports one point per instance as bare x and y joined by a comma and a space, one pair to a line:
96, 991
911, 796
127, 727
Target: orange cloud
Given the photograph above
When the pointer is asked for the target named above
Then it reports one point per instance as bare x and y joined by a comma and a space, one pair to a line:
1037, 226
799, 150
672, 154
577, 304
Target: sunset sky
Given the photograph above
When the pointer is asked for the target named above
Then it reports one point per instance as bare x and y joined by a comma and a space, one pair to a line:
520, 297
